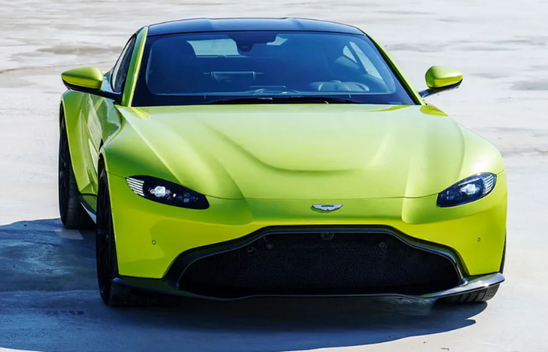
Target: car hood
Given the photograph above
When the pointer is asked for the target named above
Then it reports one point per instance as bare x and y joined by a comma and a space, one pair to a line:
323, 152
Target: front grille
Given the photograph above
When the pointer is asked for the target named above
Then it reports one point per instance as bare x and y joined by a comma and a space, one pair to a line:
320, 263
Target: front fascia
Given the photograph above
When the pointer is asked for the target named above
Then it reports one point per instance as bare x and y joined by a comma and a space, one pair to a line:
151, 235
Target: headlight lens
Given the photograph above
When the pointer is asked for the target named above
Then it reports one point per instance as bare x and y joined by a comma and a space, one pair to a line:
468, 190
166, 192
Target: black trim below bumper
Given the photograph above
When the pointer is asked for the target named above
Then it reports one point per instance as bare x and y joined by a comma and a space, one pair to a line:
469, 285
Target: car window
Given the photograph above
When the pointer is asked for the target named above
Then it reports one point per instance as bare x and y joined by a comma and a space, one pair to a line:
119, 73
197, 68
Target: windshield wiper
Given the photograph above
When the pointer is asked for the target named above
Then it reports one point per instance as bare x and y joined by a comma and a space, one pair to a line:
286, 100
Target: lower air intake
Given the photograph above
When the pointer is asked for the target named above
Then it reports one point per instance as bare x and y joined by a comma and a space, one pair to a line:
320, 263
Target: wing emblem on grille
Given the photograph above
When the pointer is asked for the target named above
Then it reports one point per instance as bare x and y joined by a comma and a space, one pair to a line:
327, 207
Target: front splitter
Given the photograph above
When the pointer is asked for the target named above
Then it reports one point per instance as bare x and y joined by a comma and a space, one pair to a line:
472, 284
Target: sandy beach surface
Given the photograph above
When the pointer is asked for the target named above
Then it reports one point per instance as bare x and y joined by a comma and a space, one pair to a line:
48, 296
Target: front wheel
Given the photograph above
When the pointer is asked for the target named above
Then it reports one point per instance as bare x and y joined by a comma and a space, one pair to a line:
107, 262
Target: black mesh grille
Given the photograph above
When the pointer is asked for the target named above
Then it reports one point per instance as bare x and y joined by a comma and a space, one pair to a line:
320, 263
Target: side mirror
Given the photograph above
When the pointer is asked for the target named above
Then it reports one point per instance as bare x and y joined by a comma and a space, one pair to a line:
440, 79
87, 80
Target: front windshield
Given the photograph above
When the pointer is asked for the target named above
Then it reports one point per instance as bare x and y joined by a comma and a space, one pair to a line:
244, 66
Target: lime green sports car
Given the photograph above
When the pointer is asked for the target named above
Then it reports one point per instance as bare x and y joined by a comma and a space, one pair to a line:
230, 158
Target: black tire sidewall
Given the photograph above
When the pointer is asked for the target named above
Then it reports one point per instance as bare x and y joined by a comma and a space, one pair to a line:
107, 269
63, 198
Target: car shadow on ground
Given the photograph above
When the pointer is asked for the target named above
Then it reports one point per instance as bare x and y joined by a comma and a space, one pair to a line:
42, 256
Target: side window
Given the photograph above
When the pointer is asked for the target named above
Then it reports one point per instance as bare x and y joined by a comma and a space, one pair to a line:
119, 73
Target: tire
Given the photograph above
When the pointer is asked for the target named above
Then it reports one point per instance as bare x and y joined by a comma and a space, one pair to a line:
472, 297
71, 211
112, 294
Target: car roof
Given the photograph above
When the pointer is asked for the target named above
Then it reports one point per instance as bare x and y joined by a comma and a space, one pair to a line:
249, 24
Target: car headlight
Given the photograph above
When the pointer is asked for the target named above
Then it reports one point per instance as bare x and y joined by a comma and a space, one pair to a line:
468, 190
166, 192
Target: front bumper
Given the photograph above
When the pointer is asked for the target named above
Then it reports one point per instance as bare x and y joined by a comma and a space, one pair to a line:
317, 261
151, 236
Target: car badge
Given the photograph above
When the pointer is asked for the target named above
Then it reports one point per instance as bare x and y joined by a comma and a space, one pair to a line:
327, 207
